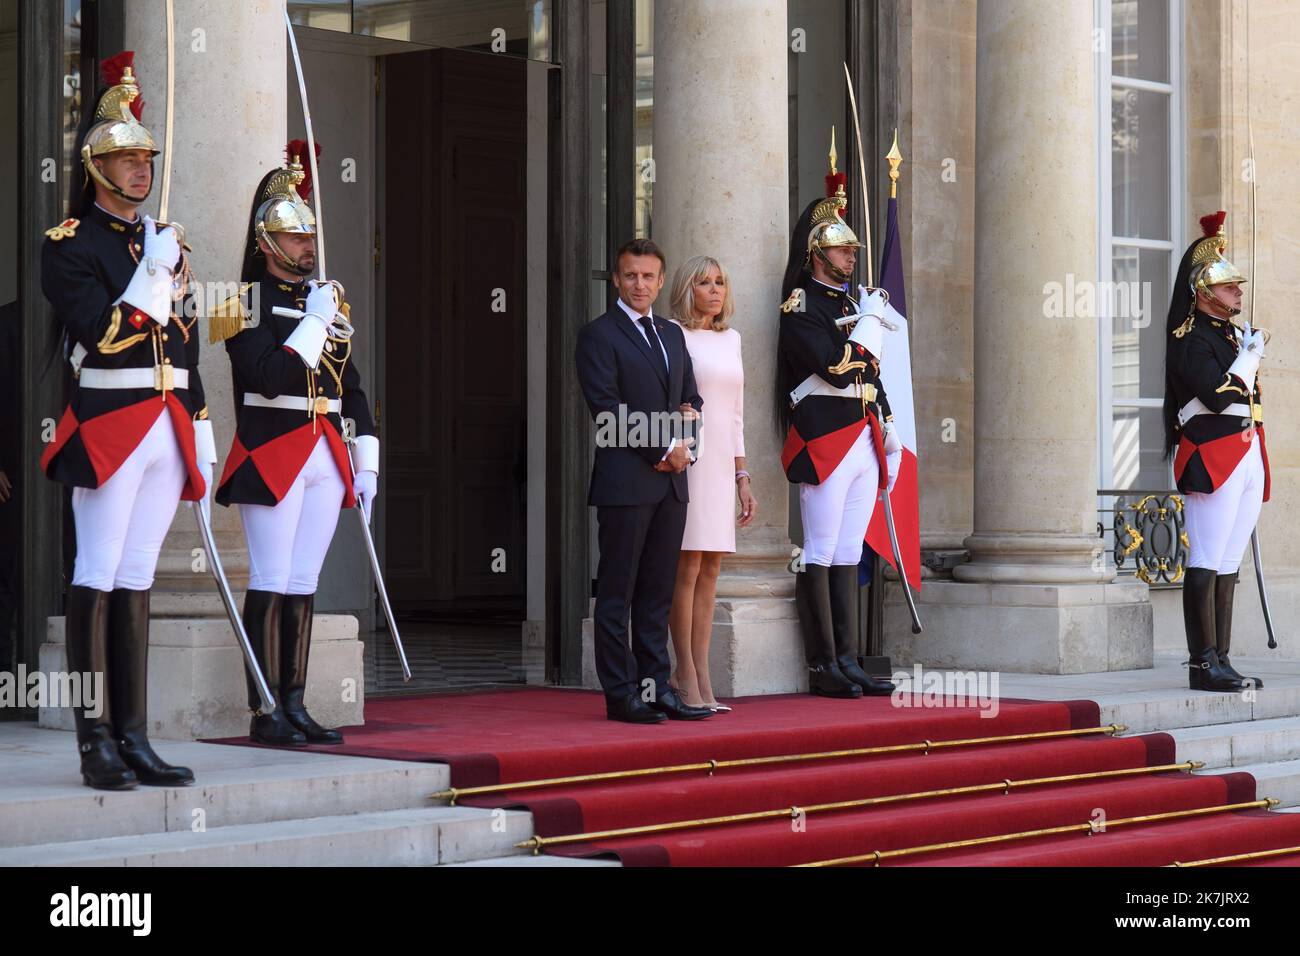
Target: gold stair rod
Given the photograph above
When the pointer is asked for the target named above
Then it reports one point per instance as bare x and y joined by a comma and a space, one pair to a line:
455, 793
537, 843
876, 856
1236, 857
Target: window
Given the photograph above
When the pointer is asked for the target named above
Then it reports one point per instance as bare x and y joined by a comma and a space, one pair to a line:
1141, 231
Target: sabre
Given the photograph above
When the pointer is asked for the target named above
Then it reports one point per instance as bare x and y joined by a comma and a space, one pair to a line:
1254, 233
200, 515
862, 174
320, 254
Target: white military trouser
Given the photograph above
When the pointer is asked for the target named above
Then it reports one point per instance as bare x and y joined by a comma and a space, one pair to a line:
1219, 524
287, 542
836, 513
121, 524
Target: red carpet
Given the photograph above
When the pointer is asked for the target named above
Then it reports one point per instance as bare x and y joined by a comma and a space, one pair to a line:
514, 736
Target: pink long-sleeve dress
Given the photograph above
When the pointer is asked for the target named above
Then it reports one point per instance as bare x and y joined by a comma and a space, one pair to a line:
720, 378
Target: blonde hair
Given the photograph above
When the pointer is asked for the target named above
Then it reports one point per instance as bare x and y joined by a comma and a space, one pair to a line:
682, 301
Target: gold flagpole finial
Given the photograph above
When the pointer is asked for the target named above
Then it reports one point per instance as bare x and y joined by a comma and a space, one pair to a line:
834, 155
895, 160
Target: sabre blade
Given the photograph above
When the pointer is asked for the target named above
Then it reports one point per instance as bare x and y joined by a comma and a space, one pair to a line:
228, 599
898, 557
311, 147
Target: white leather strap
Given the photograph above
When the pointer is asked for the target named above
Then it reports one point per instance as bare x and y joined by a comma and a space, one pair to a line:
816, 385
291, 403
1197, 407
129, 378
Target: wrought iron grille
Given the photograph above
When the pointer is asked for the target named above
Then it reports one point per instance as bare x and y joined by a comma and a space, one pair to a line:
1146, 533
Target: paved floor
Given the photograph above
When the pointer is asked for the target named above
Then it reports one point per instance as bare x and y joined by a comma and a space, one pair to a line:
443, 656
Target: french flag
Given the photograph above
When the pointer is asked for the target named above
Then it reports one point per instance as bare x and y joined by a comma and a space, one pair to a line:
896, 377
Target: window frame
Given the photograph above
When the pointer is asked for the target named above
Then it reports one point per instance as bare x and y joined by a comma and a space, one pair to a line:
1107, 81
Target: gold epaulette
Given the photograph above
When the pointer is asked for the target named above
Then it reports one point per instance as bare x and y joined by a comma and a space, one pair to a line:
794, 303
1185, 327
63, 230
227, 319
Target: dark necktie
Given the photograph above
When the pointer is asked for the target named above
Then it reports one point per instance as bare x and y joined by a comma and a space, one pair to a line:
653, 340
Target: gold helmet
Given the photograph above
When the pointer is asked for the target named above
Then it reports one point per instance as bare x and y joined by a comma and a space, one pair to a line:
1209, 265
282, 204
116, 124
828, 229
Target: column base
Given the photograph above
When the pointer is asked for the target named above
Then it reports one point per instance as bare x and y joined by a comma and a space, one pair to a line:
1023, 628
196, 677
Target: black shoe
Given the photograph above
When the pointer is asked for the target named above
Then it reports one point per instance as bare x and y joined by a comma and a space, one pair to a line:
632, 710
1225, 587
1204, 672
262, 622
669, 703
101, 762
295, 647
274, 729
843, 585
128, 649
86, 626
812, 599
827, 680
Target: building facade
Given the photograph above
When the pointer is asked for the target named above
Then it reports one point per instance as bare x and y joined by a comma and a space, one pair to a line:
482, 160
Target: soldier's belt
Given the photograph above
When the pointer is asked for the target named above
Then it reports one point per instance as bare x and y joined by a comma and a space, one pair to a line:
294, 403
155, 378
816, 385
1236, 410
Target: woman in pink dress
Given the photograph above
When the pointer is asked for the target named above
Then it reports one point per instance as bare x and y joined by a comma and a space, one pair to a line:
702, 305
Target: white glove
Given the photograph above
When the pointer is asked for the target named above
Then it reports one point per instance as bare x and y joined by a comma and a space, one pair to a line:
308, 339
205, 452
151, 292
893, 460
161, 245
365, 486
1246, 364
869, 332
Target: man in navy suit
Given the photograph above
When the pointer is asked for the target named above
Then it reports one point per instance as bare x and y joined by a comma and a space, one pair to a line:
636, 376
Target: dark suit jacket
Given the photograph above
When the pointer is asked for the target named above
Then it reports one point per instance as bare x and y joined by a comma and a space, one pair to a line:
615, 369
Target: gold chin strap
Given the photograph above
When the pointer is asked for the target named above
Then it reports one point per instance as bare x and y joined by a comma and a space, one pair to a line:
284, 259
93, 171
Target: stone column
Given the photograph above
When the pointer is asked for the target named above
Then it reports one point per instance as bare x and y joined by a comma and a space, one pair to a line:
1037, 593
231, 99
722, 189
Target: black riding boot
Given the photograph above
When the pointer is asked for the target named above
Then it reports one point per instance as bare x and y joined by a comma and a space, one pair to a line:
295, 635
812, 598
128, 648
86, 625
844, 620
262, 621
1203, 669
1225, 586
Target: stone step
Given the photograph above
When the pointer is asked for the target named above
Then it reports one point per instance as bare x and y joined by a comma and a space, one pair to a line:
408, 837
1237, 744
42, 799
1279, 779
1158, 699
528, 860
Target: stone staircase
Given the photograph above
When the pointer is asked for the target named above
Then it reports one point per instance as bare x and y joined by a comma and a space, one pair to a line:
250, 807
261, 807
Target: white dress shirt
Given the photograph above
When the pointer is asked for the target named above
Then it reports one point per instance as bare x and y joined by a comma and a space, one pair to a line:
635, 317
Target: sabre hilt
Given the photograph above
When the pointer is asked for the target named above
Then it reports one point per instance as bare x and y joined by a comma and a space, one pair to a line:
339, 327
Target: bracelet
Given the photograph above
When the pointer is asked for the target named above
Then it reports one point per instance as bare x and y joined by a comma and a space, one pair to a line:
741, 474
